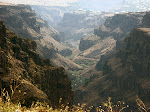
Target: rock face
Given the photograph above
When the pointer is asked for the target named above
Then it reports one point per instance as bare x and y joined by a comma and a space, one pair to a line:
22, 20
132, 20
22, 17
52, 14
36, 78
66, 52
25, 25
103, 59
3, 54
120, 25
146, 21
126, 74
86, 43
100, 47
80, 23
117, 27
109, 37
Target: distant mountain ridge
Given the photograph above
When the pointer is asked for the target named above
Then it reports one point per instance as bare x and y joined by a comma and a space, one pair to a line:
77, 24
53, 15
119, 25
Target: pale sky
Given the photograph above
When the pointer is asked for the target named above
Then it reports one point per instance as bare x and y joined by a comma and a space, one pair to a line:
55, 2
40, 2
85, 4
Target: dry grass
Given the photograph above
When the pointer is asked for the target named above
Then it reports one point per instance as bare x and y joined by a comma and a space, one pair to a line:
7, 106
141, 105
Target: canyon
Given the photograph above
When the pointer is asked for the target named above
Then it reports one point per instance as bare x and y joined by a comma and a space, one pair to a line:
77, 55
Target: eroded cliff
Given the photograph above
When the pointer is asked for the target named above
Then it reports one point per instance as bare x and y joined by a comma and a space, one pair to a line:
36, 78
125, 75
22, 20
80, 23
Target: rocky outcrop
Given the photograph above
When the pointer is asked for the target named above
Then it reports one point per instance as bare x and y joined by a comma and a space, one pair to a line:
88, 42
109, 37
125, 75
22, 20
92, 49
128, 71
53, 15
3, 54
35, 78
66, 52
80, 23
117, 26
120, 25
146, 21
103, 59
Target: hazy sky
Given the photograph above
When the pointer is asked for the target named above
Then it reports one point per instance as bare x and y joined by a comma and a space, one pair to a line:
56, 2
40, 2
87, 4
99, 4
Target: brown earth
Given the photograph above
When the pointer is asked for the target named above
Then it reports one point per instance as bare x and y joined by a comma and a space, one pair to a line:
34, 78
125, 75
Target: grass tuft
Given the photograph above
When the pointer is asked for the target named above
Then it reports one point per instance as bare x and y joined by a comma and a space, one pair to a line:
7, 106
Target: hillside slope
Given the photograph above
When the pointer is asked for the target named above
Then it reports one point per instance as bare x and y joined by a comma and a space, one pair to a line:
52, 14
80, 23
22, 20
120, 25
125, 75
106, 39
35, 78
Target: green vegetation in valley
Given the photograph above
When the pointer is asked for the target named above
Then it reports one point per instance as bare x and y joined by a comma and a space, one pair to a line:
85, 62
77, 80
